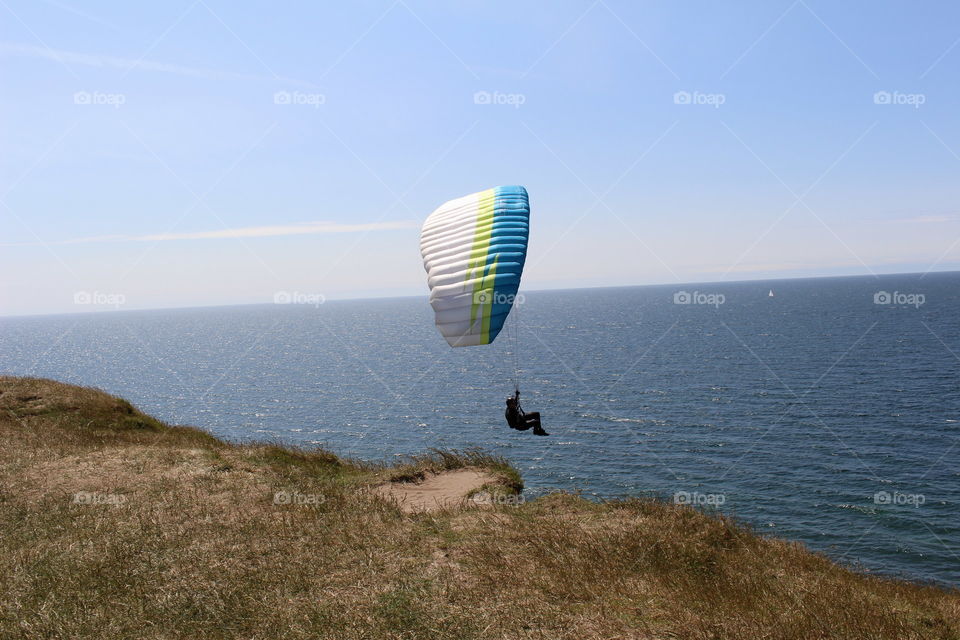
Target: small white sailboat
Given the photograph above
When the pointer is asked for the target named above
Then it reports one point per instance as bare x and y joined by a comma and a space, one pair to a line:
770, 295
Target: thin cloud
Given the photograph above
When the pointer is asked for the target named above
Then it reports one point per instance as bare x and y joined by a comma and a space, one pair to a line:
130, 64
298, 229
928, 219
771, 267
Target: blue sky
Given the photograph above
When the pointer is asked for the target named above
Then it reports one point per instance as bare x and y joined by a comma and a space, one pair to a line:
204, 153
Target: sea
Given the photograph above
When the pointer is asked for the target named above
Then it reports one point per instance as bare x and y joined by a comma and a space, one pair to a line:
823, 410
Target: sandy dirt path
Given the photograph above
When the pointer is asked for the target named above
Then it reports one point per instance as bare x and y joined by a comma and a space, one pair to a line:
436, 491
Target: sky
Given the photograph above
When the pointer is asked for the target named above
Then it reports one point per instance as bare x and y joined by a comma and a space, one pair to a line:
203, 152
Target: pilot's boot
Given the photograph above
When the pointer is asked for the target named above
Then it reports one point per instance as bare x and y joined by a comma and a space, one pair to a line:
538, 431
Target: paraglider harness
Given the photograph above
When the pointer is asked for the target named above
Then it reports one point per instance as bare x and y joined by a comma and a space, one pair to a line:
518, 419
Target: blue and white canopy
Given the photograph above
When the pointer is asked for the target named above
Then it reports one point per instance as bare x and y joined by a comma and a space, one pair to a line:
473, 250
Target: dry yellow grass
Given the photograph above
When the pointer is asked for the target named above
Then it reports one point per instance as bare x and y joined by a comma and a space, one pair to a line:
114, 525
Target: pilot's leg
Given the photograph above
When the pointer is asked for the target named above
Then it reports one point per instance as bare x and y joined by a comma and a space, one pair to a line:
533, 419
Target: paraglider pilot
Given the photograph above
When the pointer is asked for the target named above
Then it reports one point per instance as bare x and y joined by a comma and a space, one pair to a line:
520, 420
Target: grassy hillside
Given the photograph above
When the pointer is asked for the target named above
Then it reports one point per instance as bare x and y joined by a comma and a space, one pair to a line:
115, 525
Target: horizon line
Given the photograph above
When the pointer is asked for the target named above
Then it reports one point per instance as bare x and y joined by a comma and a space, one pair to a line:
426, 294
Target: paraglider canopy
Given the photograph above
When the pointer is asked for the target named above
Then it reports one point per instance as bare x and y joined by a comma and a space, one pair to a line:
473, 250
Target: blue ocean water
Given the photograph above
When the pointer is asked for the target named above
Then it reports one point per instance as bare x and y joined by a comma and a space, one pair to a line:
828, 412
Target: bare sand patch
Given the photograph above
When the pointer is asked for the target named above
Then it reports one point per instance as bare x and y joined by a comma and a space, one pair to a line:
436, 491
